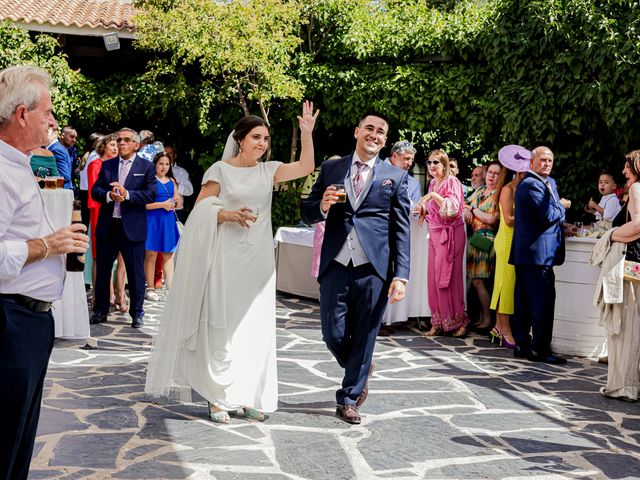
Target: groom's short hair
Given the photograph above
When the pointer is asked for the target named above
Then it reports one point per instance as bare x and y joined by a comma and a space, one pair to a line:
372, 113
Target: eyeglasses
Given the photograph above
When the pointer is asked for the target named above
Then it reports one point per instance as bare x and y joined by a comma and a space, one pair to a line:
433, 162
125, 140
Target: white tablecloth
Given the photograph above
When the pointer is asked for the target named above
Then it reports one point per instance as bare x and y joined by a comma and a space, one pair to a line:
294, 250
71, 313
416, 302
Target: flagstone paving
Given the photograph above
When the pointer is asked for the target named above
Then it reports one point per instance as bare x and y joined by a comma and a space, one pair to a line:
440, 408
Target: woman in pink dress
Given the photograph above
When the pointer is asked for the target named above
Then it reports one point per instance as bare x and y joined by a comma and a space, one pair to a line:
442, 207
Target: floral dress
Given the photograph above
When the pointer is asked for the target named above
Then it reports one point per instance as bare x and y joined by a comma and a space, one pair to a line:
482, 264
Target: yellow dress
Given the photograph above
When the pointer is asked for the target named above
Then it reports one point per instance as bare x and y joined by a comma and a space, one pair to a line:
505, 276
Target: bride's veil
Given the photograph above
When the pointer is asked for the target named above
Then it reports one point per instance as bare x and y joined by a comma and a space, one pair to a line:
230, 148
177, 331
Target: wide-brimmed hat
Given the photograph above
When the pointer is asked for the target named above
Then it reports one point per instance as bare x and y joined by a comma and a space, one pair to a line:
515, 158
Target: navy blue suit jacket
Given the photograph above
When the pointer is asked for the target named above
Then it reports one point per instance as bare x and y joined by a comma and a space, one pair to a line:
381, 220
141, 185
538, 232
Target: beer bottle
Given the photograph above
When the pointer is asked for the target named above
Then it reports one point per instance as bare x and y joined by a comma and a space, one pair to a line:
75, 261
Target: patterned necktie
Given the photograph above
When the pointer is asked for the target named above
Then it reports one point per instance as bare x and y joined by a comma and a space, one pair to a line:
122, 176
358, 180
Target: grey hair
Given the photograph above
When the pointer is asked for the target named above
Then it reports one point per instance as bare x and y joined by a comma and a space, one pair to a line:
540, 150
20, 85
136, 137
403, 146
146, 137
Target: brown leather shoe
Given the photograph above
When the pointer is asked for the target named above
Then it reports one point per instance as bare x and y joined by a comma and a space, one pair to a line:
348, 413
365, 392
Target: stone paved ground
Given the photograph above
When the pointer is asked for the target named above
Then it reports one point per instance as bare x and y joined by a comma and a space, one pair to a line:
438, 408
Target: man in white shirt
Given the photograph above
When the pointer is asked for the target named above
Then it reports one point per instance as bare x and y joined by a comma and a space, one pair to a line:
32, 264
185, 188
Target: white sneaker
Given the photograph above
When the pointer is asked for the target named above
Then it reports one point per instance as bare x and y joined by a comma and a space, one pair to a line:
151, 295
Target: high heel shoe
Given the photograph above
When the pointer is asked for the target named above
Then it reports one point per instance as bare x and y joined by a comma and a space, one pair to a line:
496, 336
504, 343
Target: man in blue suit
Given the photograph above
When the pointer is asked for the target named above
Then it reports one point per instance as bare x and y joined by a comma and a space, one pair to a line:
63, 159
538, 245
365, 254
125, 185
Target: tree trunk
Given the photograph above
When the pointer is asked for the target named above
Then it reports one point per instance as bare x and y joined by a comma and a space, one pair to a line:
243, 101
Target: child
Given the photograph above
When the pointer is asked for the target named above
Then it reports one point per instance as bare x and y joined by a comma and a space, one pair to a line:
162, 228
609, 205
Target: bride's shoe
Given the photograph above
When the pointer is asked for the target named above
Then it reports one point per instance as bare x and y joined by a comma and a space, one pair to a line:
218, 416
253, 414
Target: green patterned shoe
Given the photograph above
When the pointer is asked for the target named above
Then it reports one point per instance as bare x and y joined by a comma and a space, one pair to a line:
253, 414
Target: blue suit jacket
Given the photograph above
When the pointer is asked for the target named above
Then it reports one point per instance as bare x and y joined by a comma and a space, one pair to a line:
141, 185
63, 162
538, 233
381, 219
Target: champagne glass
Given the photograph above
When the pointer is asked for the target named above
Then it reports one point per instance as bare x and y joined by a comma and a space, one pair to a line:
253, 218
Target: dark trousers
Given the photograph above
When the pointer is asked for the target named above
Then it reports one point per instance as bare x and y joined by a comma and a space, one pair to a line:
535, 300
352, 302
26, 340
107, 250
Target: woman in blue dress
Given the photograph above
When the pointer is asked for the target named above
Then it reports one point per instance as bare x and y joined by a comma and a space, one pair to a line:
162, 228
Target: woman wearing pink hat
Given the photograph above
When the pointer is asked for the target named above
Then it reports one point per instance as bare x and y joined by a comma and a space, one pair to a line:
516, 161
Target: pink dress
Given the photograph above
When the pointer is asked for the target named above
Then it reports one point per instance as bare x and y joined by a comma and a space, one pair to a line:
318, 236
447, 240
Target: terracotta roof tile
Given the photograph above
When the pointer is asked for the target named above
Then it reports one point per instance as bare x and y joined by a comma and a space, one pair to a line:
109, 14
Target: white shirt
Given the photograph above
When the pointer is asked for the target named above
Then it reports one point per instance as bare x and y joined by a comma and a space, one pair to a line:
23, 217
611, 206
185, 188
84, 180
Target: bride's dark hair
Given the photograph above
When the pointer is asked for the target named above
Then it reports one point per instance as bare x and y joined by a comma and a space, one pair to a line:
246, 124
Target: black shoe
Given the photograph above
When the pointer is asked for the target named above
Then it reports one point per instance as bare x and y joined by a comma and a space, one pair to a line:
97, 318
137, 322
520, 352
549, 358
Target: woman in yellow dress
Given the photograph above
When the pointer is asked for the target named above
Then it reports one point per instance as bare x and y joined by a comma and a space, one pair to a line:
516, 161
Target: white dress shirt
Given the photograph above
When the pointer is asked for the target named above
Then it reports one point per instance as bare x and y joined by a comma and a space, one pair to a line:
23, 217
185, 188
84, 179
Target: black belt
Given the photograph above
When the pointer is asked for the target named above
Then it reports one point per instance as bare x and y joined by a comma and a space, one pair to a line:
37, 306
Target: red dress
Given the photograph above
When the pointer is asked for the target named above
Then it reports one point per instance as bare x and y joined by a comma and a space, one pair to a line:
94, 207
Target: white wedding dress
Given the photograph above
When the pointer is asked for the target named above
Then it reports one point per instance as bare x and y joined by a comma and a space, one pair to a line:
229, 355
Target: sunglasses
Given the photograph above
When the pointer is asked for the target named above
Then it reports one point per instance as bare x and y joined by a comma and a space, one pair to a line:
433, 162
125, 140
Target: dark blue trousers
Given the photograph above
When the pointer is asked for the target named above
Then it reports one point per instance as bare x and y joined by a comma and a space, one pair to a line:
107, 250
352, 302
26, 340
535, 300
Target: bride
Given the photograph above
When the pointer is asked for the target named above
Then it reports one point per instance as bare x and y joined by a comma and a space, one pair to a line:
217, 334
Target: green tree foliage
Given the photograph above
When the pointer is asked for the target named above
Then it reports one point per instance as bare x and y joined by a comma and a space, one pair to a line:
71, 90
240, 49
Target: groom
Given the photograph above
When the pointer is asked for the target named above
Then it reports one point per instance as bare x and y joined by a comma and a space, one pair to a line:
365, 254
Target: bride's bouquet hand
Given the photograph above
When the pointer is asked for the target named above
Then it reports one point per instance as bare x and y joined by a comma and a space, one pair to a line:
308, 118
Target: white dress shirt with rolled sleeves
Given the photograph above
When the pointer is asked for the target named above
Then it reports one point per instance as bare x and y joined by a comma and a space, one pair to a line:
185, 188
23, 217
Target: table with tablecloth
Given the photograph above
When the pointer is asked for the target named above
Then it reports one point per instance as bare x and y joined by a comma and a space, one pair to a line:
416, 302
71, 312
294, 251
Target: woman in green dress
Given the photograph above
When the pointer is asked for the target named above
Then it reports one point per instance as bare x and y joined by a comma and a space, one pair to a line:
43, 164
